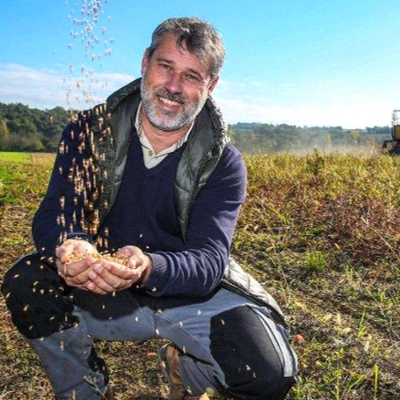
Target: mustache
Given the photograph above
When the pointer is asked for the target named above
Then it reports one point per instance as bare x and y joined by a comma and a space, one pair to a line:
171, 96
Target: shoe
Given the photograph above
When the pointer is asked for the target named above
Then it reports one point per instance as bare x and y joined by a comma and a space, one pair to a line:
109, 394
97, 364
169, 364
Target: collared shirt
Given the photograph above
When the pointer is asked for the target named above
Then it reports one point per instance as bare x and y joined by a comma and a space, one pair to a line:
151, 159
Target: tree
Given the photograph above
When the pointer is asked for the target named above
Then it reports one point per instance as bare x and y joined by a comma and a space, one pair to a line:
4, 134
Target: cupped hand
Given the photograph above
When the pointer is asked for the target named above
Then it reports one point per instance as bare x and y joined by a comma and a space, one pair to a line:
74, 260
128, 267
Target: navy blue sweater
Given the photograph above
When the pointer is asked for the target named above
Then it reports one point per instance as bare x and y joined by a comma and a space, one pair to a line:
144, 215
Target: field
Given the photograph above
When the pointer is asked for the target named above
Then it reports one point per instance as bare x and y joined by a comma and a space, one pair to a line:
320, 231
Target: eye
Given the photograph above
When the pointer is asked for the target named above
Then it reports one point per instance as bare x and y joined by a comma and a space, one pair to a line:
165, 66
192, 78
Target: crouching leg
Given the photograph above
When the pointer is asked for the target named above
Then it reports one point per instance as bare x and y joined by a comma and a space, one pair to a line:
42, 310
253, 353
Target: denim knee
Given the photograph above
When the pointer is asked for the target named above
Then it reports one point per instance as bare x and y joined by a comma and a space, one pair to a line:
36, 298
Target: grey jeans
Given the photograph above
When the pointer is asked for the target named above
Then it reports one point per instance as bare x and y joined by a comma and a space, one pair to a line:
230, 345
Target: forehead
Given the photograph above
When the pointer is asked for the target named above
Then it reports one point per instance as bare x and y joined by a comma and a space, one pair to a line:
169, 50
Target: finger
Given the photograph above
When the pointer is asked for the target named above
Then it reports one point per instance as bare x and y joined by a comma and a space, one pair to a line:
103, 279
133, 264
76, 268
121, 271
100, 286
123, 252
61, 269
72, 283
129, 251
92, 287
112, 277
74, 277
63, 253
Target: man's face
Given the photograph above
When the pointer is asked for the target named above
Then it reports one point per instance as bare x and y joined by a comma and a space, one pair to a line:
174, 87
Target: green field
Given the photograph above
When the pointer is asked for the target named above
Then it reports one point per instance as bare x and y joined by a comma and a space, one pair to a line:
26, 158
12, 157
320, 232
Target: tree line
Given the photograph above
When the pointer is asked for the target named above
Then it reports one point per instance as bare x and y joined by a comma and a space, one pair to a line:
32, 130
29, 129
257, 137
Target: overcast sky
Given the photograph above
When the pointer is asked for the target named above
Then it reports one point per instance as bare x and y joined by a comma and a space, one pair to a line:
301, 62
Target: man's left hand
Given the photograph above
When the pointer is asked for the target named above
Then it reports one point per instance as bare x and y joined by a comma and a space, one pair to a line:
131, 266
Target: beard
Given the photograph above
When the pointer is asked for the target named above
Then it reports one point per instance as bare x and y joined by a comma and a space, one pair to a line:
169, 120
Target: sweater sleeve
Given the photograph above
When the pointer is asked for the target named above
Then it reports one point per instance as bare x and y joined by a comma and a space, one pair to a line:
199, 268
60, 214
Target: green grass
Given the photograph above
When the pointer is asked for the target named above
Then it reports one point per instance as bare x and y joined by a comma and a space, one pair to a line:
320, 232
14, 157
26, 158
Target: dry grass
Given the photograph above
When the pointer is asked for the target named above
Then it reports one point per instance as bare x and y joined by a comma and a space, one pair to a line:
321, 232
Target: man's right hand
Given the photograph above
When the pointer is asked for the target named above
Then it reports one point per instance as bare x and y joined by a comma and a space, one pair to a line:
74, 260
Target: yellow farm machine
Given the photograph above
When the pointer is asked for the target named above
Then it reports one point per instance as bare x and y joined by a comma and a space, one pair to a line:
393, 146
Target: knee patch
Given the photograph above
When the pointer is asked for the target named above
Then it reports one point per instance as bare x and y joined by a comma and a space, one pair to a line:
247, 356
35, 296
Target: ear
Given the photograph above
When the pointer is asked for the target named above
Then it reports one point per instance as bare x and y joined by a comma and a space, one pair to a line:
145, 61
213, 84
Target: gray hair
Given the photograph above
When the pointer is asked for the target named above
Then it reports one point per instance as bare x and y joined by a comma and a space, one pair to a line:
199, 37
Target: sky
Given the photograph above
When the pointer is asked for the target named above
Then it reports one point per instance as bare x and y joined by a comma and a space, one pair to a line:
298, 62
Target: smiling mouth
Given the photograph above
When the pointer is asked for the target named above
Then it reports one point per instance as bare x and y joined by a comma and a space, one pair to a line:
169, 102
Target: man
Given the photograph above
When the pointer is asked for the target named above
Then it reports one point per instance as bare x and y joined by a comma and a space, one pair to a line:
133, 239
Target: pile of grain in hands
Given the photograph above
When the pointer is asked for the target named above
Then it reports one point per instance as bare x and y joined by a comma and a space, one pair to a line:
115, 258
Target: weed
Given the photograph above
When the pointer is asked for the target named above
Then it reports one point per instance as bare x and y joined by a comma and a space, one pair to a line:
316, 262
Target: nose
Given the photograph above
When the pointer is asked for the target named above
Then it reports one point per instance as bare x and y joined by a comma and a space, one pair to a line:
174, 83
